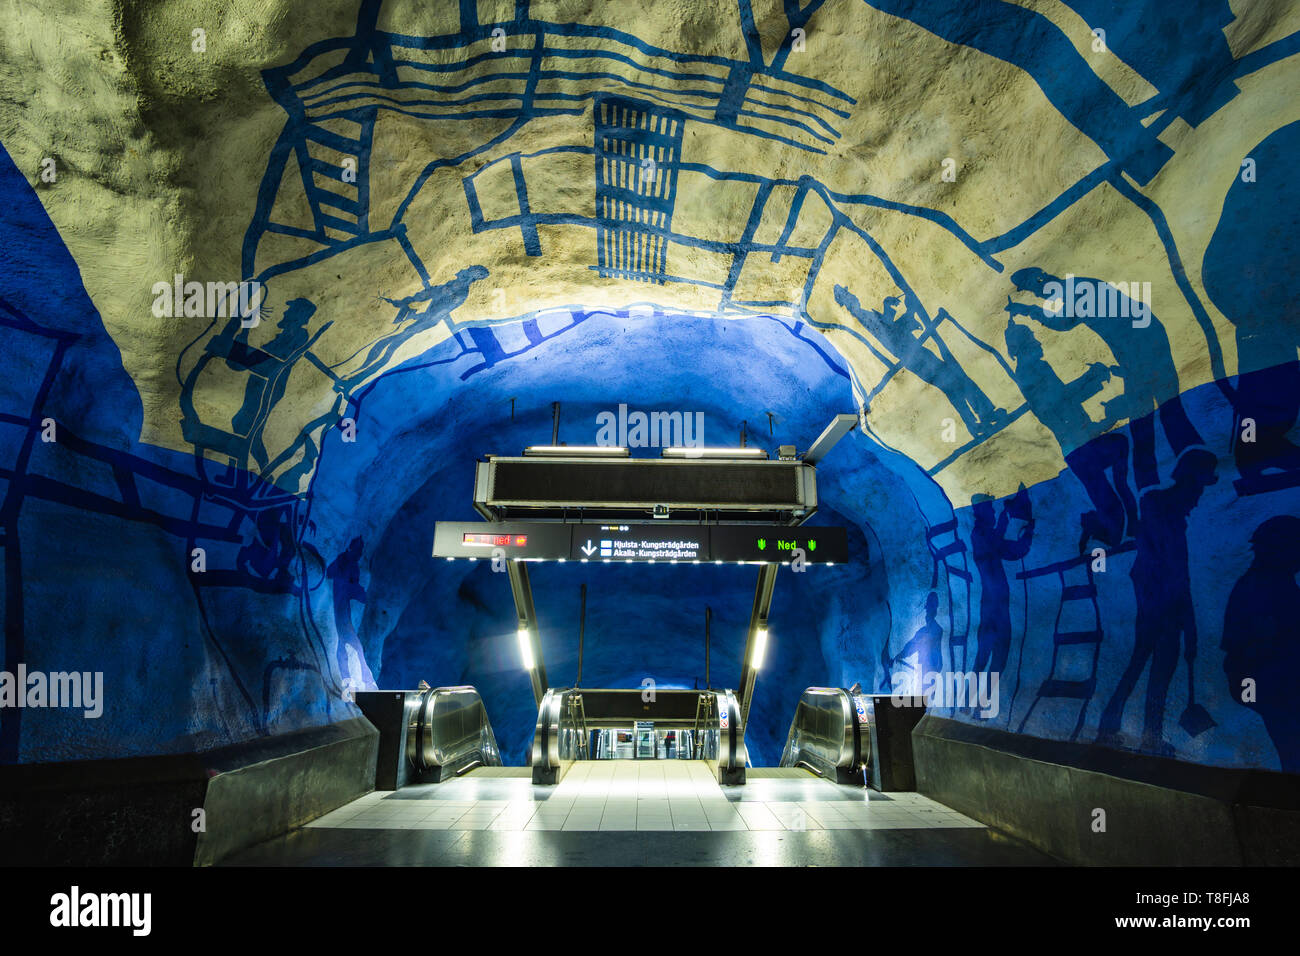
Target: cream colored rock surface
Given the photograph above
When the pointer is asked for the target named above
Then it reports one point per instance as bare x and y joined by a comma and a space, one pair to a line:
167, 163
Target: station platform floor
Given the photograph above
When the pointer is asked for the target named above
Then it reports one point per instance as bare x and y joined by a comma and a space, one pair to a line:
648, 812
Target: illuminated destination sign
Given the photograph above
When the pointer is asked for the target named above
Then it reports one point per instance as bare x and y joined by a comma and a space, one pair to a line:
517, 539
779, 544
639, 542
494, 540
549, 541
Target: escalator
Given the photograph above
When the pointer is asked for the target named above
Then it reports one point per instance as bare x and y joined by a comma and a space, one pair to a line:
570, 724
428, 735
829, 735
849, 737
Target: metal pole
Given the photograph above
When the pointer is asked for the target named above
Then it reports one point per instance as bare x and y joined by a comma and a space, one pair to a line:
582, 631
522, 591
555, 423
708, 617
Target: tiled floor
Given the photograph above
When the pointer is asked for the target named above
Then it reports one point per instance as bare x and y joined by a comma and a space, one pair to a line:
627, 795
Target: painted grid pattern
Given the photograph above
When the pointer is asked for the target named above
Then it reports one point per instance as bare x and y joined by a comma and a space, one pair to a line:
637, 151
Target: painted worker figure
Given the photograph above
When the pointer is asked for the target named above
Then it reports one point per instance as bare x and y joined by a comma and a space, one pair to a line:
896, 331
1141, 352
344, 574
1166, 615
1260, 641
926, 644
424, 310
268, 368
1088, 451
990, 546
1249, 271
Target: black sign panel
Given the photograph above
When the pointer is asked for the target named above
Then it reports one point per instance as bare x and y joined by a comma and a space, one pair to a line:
778, 544
550, 541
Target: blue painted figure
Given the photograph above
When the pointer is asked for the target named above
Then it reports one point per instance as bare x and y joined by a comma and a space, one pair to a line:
268, 554
896, 332
269, 369
926, 643
424, 311
1166, 615
991, 546
1250, 272
344, 573
1142, 353
1089, 453
1260, 637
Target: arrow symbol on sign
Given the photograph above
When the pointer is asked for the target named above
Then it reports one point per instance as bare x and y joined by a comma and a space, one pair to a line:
588, 549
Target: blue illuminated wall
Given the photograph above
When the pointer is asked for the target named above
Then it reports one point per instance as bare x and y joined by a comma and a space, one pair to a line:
316, 571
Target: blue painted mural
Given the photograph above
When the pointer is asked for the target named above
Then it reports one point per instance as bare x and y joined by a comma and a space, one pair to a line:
244, 584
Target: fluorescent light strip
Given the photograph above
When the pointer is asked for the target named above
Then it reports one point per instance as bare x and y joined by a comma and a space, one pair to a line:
683, 452
591, 451
526, 649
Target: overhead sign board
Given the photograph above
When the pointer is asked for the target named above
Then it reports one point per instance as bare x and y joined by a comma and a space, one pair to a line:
551, 541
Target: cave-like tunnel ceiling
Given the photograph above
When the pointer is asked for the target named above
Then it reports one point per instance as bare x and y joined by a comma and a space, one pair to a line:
1004, 233
488, 186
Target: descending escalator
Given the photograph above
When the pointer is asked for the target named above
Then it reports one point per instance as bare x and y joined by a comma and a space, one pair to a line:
568, 720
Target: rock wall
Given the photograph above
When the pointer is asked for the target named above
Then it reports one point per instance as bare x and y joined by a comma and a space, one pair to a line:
1045, 248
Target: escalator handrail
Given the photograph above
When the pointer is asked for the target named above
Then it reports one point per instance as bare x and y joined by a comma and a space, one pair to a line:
846, 747
434, 750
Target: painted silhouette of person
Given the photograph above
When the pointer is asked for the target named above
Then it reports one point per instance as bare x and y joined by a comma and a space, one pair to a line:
990, 546
1144, 358
1088, 452
269, 368
344, 574
926, 643
1162, 588
424, 310
896, 332
1260, 637
1249, 271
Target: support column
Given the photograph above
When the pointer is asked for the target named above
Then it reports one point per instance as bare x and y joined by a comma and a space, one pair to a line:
522, 591
757, 624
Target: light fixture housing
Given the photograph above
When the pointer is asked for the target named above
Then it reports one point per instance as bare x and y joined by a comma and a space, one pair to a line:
576, 451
